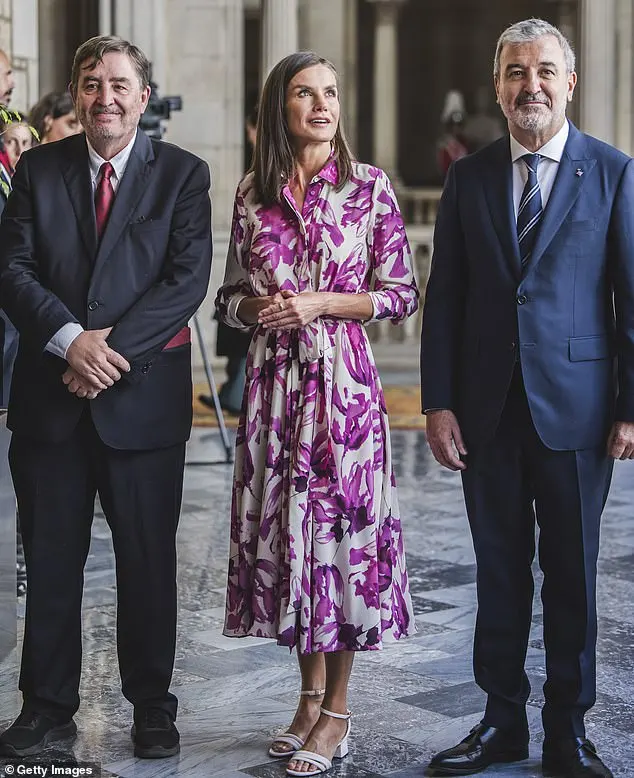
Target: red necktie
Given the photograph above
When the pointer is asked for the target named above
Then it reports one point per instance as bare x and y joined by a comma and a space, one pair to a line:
104, 195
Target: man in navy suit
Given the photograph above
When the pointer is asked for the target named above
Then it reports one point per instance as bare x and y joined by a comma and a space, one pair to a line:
527, 367
105, 254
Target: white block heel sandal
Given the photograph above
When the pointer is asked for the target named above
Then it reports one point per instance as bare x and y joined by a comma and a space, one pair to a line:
294, 741
320, 763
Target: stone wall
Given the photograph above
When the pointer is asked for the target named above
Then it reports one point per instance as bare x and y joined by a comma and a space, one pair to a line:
19, 38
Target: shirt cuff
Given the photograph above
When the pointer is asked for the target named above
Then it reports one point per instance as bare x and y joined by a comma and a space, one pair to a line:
375, 309
62, 339
232, 313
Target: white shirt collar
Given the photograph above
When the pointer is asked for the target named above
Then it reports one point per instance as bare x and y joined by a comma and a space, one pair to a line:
554, 149
118, 162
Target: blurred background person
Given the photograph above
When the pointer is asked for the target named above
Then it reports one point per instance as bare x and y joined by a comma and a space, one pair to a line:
481, 127
17, 138
54, 117
451, 144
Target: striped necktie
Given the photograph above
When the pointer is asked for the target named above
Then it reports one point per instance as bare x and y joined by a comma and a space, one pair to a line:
530, 210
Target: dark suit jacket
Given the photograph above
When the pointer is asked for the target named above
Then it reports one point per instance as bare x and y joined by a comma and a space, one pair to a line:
569, 316
146, 277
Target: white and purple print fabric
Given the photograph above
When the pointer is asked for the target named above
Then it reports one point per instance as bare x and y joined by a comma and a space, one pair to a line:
316, 550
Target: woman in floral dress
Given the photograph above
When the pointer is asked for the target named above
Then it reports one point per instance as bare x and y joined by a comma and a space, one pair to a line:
317, 248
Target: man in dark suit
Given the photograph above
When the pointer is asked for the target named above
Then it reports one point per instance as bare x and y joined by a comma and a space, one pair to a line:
105, 253
528, 385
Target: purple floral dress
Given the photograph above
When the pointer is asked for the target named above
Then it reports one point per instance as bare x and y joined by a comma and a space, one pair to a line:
316, 556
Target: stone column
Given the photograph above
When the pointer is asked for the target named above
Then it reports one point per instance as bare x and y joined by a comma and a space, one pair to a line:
204, 64
279, 33
19, 38
53, 40
106, 20
144, 23
6, 13
328, 27
386, 86
597, 67
624, 82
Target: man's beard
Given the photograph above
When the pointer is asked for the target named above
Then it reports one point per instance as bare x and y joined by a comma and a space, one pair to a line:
533, 119
104, 131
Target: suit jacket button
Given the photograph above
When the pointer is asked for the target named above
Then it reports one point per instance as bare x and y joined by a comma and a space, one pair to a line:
521, 299
93, 305
146, 368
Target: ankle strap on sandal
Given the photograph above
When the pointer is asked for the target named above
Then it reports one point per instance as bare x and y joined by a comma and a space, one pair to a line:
312, 692
333, 715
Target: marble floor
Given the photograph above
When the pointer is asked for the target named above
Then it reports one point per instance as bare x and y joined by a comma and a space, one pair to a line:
408, 701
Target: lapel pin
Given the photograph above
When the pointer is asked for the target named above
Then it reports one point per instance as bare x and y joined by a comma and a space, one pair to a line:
578, 172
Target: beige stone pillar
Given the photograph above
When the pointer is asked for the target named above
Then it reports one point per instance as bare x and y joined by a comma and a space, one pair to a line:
106, 17
597, 68
19, 38
144, 22
53, 39
279, 33
328, 27
204, 64
6, 13
386, 86
624, 139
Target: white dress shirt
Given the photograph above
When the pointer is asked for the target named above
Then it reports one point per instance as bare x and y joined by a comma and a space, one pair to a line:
62, 339
550, 153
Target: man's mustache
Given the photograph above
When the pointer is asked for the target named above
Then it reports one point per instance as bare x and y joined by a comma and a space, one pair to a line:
523, 99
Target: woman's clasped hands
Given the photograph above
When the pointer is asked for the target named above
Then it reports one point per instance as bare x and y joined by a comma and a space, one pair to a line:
288, 310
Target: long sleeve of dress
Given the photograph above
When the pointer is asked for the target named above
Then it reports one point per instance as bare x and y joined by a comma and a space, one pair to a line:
393, 288
236, 285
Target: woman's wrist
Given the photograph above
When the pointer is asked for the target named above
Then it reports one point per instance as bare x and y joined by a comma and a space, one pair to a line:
326, 303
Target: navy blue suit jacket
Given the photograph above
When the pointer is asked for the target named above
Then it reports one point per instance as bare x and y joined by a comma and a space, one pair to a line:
568, 318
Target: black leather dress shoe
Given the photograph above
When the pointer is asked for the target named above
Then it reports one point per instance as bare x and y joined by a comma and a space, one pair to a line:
31, 732
154, 734
573, 758
482, 747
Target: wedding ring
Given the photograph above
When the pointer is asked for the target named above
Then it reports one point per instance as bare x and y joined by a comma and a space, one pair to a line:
281, 306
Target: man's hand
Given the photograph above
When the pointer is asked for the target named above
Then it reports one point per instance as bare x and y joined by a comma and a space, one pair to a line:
293, 311
621, 440
93, 359
445, 439
78, 385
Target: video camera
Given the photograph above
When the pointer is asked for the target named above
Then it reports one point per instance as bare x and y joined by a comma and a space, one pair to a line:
158, 110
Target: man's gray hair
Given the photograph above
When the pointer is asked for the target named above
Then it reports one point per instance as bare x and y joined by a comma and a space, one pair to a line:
528, 31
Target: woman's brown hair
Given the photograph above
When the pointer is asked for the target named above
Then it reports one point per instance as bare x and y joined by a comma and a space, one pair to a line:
274, 159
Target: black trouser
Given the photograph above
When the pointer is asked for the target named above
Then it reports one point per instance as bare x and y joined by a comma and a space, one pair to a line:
140, 492
508, 483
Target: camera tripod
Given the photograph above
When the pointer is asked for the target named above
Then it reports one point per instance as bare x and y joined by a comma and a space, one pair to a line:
226, 443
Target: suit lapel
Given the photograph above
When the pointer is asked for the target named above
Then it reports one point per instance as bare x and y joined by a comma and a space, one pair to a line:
571, 177
131, 187
76, 173
498, 186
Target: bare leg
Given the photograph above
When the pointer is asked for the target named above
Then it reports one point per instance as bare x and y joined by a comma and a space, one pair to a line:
327, 733
313, 670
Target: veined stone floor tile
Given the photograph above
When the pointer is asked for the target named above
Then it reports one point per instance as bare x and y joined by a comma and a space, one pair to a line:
408, 701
